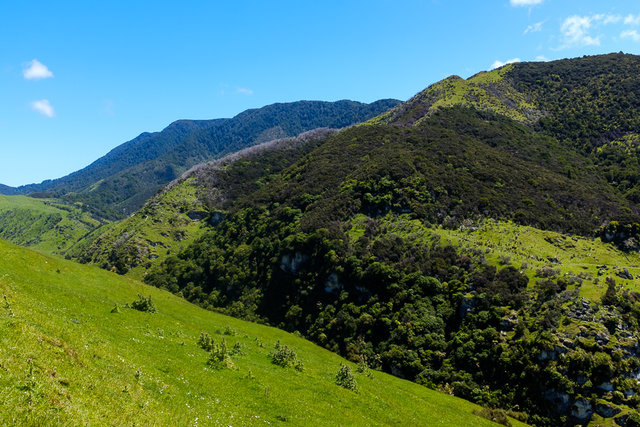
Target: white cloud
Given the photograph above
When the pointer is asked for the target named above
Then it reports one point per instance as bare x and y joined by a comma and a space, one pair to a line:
525, 2
575, 31
609, 19
498, 64
534, 28
542, 58
632, 19
43, 107
245, 91
630, 34
35, 70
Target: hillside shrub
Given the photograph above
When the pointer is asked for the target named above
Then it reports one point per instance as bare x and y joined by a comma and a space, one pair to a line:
143, 304
219, 356
285, 357
346, 379
495, 415
206, 341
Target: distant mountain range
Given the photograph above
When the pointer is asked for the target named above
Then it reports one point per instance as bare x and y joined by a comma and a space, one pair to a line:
122, 180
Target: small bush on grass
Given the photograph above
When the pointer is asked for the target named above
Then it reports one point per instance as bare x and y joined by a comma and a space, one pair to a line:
345, 378
495, 415
236, 350
205, 341
228, 330
7, 305
284, 356
219, 357
363, 367
143, 304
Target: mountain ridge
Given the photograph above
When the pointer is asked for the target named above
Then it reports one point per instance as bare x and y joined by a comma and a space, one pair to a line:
119, 182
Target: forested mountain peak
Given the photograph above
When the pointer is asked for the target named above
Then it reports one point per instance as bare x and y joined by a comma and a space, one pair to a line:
551, 95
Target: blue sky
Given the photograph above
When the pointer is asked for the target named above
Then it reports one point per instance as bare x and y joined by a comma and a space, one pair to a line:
79, 78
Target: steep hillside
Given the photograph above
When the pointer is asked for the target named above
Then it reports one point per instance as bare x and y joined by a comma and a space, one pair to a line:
74, 351
590, 104
121, 181
44, 224
486, 91
366, 245
185, 208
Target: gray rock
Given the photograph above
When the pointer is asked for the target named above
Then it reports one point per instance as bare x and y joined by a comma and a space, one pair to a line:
606, 386
582, 410
332, 285
197, 215
216, 218
293, 263
558, 399
624, 274
606, 410
602, 338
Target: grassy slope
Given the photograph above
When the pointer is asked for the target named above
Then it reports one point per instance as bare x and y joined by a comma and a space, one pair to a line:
151, 233
485, 91
180, 213
587, 258
66, 359
43, 224
528, 248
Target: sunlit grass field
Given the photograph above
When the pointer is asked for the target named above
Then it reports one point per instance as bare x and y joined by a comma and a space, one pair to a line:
68, 356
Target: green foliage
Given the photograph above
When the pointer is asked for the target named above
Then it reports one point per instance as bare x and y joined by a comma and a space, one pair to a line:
586, 98
363, 367
45, 224
65, 360
390, 292
485, 91
285, 357
182, 211
219, 356
495, 415
120, 182
144, 304
333, 243
624, 236
205, 341
7, 306
346, 379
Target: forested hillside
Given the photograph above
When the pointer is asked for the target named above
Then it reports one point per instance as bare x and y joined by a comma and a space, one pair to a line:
79, 345
121, 181
44, 224
363, 245
187, 207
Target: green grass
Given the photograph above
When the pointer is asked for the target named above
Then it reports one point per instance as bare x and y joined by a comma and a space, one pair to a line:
161, 227
530, 249
43, 224
509, 243
65, 358
485, 91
